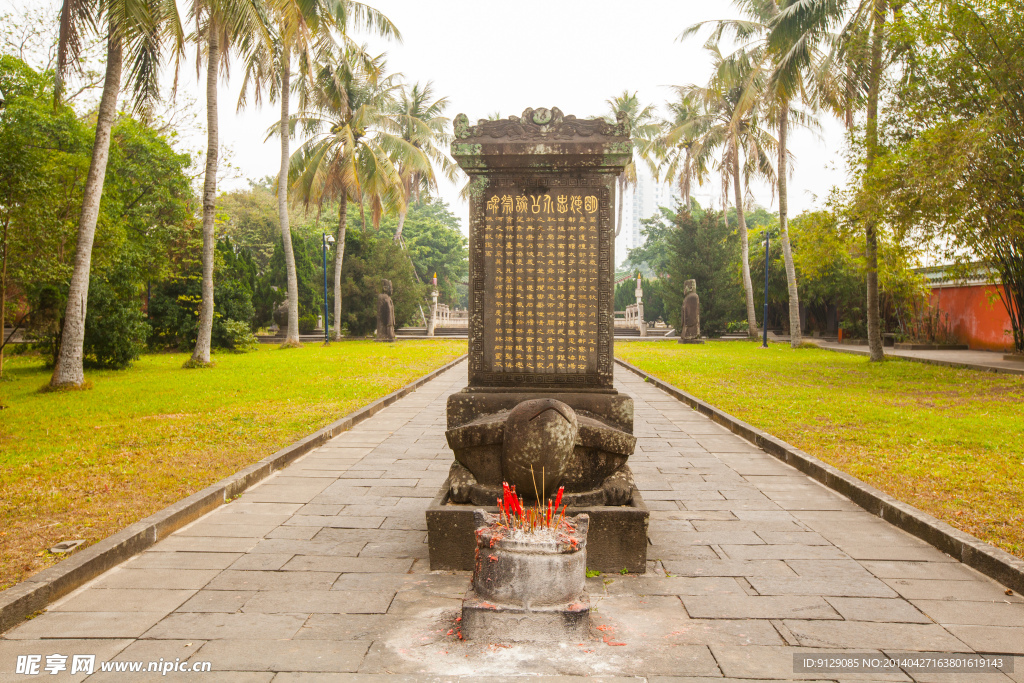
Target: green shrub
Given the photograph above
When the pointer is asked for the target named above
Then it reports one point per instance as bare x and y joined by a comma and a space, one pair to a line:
44, 325
705, 249
307, 324
368, 260
308, 276
237, 336
175, 303
115, 326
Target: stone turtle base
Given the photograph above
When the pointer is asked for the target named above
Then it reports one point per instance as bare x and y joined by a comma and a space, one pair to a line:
482, 620
617, 538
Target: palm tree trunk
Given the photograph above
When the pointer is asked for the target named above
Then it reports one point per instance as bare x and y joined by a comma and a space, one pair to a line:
795, 337
292, 338
748, 286
401, 224
870, 223
68, 371
339, 257
201, 354
405, 209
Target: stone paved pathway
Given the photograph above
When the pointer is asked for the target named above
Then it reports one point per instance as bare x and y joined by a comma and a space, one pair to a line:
990, 361
320, 573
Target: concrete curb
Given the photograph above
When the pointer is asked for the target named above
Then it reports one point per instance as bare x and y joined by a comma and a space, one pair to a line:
39, 590
987, 559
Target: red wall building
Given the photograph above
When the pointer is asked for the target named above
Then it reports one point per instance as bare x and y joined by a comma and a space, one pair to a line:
976, 311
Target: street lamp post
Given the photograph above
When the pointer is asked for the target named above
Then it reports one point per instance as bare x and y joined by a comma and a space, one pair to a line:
767, 240
327, 239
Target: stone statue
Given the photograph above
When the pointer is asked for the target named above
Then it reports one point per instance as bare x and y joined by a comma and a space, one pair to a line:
385, 314
541, 442
280, 316
689, 320
540, 437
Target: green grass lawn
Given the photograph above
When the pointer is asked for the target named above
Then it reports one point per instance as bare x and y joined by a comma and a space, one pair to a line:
948, 441
85, 464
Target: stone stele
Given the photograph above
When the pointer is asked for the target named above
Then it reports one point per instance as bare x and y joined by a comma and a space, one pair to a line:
385, 314
541, 307
689, 318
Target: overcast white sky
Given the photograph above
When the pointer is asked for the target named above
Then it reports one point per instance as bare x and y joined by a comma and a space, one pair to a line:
489, 56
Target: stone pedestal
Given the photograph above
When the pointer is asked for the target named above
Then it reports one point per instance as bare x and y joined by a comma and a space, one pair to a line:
483, 620
528, 586
616, 537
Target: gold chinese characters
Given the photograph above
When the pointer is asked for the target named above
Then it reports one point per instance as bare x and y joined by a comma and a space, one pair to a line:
541, 272
541, 204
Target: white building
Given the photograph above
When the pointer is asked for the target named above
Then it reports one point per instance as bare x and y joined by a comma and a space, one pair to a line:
642, 201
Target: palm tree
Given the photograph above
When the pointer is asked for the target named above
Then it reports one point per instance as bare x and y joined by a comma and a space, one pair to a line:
787, 81
136, 29
643, 129
678, 148
426, 128
305, 32
221, 25
803, 24
730, 123
355, 150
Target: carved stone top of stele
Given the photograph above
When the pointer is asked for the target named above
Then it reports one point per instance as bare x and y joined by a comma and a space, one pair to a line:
542, 124
542, 139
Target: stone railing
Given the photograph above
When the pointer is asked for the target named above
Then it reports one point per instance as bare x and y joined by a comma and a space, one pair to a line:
632, 319
456, 318
442, 315
632, 315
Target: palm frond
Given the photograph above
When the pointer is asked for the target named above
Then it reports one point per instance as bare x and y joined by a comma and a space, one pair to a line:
76, 17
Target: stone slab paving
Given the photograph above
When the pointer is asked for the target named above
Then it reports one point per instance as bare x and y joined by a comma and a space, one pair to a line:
974, 359
320, 573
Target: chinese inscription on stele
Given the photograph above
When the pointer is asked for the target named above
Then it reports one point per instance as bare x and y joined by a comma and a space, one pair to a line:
541, 241
540, 258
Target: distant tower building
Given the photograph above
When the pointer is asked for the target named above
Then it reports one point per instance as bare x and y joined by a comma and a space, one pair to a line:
640, 202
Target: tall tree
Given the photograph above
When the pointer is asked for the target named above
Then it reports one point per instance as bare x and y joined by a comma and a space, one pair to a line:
643, 129
730, 125
844, 28
790, 67
221, 25
135, 29
678, 148
306, 32
426, 128
702, 247
952, 176
355, 150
